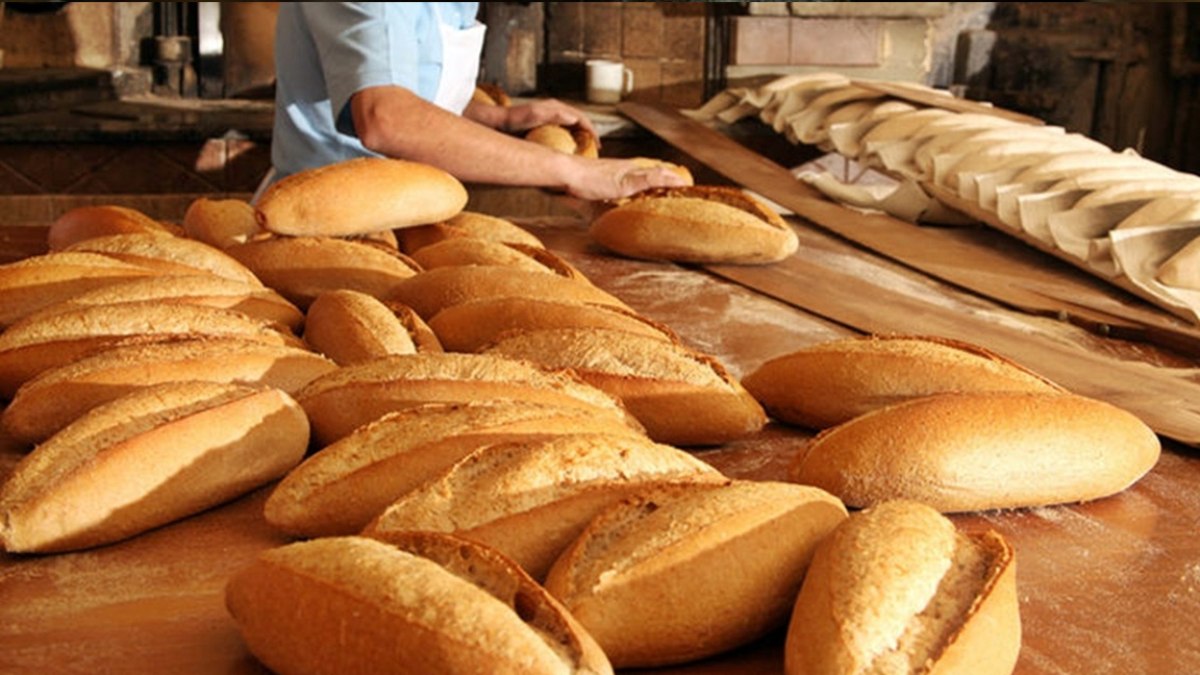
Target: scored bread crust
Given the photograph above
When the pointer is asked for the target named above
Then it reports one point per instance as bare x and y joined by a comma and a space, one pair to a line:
466, 224
430, 603
32, 284
832, 382
146, 459
351, 327
87, 222
695, 224
360, 196
979, 451
475, 251
895, 588
170, 255
221, 222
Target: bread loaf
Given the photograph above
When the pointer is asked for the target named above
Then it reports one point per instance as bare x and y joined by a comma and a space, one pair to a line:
472, 326
476, 251
491, 94
146, 459
32, 284
38, 342
169, 255
829, 383
681, 396
980, 451
340, 489
426, 604
87, 222
531, 499
683, 171
897, 589
341, 401
221, 222
59, 395
680, 575
695, 224
359, 196
352, 327
465, 224
569, 141
301, 268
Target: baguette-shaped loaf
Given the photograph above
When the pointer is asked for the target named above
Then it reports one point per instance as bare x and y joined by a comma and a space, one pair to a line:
32, 284
681, 396
221, 222
340, 489
466, 224
472, 326
301, 268
475, 251
829, 383
687, 573
38, 343
352, 327
980, 451
896, 589
530, 499
427, 603
695, 224
170, 255
431, 291
341, 401
101, 220
567, 140
56, 397
147, 459
359, 196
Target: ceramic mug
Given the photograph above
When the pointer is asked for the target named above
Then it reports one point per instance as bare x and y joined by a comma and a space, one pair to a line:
607, 81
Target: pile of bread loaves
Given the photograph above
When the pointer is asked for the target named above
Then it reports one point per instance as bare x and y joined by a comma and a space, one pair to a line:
483, 456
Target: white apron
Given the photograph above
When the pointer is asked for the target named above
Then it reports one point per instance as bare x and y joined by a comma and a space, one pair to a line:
461, 50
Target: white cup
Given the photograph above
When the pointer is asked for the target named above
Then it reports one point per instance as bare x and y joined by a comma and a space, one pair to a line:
607, 81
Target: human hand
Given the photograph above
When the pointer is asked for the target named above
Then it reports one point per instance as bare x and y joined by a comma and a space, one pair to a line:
526, 116
603, 179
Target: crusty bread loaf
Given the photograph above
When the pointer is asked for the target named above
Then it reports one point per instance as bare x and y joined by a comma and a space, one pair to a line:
695, 224
472, 326
427, 603
896, 589
831, 382
169, 255
683, 171
341, 401
146, 459
87, 222
431, 291
57, 396
31, 284
683, 574
681, 396
361, 195
41, 342
530, 499
491, 94
340, 489
352, 327
569, 141
980, 451
301, 268
465, 224
252, 299
221, 222
475, 251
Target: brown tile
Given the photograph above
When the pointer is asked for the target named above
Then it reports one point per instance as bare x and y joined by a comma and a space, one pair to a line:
602, 28
683, 84
143, 170
759, 40
647, 79
683, 34
12, 182
642, 30
836, 42
564, 28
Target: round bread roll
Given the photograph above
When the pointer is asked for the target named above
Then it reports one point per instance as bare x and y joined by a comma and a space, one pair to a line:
697, 224
896, 589
569, 141
672, 576
832, 382
146, 459
221, 222
87, 222
32, 284
427, 603
466, 224
983, 450
358, 196
352, 327
170, 255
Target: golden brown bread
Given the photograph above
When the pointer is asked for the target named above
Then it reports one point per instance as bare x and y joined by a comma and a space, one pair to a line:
87, 222
530, 499
301, 268
340, 489
567, 140
683, 171
673, 576
695, 224
491, 94
169, 255
352, 327
59, 395
358, 196
831, 382
146, 459
465, 224
475, 251
421, 603
980, 451
341, 401
472, 326
681, 396
221, 222
896, 589
32, 284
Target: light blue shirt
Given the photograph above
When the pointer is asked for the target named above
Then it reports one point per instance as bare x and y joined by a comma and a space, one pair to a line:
327, 51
